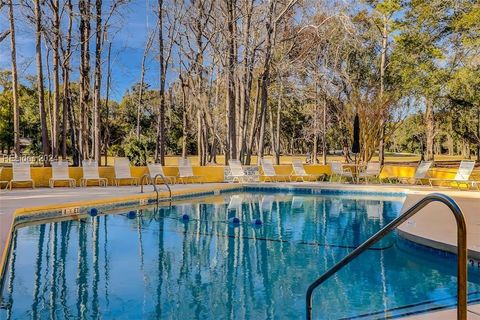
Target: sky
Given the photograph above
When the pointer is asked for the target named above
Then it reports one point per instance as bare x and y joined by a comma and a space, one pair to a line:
128, 35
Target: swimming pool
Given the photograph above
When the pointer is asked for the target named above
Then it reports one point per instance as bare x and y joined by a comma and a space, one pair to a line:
191, 260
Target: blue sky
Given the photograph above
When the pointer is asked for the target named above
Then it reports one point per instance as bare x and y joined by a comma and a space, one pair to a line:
128, 35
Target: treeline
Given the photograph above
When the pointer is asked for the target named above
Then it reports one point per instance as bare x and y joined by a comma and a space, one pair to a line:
248, 77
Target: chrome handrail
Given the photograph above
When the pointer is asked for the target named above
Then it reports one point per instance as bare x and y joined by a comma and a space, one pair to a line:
147, 176
461, 251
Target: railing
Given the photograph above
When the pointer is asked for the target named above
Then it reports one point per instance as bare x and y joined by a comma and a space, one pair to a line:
461, 251
146, 177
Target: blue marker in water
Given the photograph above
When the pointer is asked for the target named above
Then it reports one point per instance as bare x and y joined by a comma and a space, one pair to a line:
93, 212
257, 222
234, 220
131, 215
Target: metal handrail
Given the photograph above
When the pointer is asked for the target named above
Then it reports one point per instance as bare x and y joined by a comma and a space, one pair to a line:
147, 176
461, 251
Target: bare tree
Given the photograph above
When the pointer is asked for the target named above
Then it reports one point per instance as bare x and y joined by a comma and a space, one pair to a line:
55, 8
68, 116
84, 29
97, 81
16, 106
40, 88
231, 62
165, 52
148, 46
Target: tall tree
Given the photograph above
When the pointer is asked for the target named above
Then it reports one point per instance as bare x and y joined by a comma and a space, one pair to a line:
231, 61
16, 106
84, 29
98, 81
68, 119
160, 143
55, 8
40, 87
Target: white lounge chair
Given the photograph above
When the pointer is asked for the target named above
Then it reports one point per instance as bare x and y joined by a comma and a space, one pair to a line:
336, 207
269, 172
338, 171
374, 210
21, 174
300, 173
90, 173
297, 202
60, 173
237, 172
185, 171
462, 177
421, 174
235, 202
266, 203
122, 171
372, 171
155, 169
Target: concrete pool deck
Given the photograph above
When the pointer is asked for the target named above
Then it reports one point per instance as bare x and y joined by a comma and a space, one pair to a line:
440, 235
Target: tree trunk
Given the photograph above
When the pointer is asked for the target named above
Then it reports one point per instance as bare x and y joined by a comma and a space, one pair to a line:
84, 26
98, 82
430, 129
254, 126
148, 45
248, 64
231, 116
67, 98
107, 107
40, 88
184, 117
160, 144
315, 124
266, 78
383, 59
16, 107
55, 4
276, 146
324, 133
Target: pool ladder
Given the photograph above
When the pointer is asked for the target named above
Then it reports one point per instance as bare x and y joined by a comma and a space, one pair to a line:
461, 251
146, 177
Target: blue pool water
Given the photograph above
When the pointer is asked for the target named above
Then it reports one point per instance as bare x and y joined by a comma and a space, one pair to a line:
156, 265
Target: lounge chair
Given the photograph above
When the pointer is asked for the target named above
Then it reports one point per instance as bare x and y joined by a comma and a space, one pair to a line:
421, 174
374, 210
237, 172
2, 181
185, 171
338, 171
266, 203
21, 174
269, 172
297, 202
155, 169
372, 171
60, 173
336, 207
300, 173
462, 177
122, 171
235, 203
90, 173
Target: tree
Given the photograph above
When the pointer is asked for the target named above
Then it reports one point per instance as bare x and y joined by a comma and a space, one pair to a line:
16, 106
40, 88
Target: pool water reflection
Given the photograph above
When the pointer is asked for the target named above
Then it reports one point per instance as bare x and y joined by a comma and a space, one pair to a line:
158, 265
